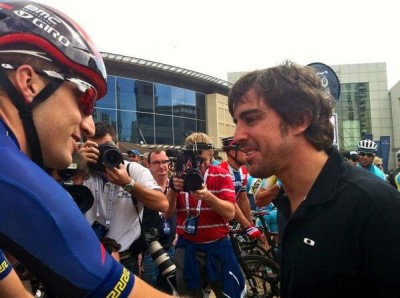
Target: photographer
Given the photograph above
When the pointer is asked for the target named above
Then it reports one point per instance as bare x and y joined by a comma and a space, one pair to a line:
118, 196
72, 179
203, 252
159, 165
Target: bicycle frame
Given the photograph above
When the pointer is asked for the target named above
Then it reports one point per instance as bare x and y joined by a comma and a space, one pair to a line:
258, 269
269, 236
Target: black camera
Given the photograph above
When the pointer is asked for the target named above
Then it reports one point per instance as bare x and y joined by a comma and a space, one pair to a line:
109, 156
163, 261
186, 164
82, 195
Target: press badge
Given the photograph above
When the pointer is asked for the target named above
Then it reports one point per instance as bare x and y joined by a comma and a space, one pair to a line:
166, 227
191, 225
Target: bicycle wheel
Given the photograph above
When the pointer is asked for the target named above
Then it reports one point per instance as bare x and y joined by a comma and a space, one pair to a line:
262, 276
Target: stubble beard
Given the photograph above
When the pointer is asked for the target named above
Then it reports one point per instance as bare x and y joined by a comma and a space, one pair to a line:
259, 169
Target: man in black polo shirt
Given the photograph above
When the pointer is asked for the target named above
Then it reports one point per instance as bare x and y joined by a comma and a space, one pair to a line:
339, 226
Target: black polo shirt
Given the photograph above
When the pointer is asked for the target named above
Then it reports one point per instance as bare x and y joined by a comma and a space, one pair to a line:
344, 239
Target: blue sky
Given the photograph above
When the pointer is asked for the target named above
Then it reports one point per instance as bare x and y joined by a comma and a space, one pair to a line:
220, 36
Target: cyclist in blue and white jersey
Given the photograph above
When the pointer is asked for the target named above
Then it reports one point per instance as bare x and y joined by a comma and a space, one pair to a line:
366, 152
50, 77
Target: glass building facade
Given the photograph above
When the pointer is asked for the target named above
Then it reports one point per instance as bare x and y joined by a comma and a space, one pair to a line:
364, 108
151, 113
354, 114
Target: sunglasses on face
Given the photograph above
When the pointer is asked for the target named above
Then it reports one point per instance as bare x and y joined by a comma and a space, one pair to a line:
367, 154
88, 95
379, 165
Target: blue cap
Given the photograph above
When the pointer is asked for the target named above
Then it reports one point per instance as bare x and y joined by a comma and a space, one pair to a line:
134, 151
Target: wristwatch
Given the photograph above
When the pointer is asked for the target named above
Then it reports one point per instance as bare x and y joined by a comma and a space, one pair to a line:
128, 187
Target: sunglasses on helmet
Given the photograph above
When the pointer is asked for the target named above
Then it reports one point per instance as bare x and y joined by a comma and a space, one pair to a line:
88, 92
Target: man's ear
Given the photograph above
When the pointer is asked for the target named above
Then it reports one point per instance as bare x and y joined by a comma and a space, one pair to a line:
301, 127
27, 82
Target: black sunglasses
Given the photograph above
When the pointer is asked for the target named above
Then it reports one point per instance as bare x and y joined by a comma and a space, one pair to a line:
367, 154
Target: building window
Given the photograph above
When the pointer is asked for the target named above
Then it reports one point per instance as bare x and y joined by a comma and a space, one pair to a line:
354, 114
151, 113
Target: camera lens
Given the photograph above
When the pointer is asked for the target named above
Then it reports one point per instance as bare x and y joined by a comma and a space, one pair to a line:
112, 158
162, 259
193, 180
82, 196
109, 156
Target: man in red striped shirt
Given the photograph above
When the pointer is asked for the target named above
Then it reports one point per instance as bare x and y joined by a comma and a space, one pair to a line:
204, 253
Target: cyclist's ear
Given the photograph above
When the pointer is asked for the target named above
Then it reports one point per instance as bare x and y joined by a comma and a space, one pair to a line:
27, 82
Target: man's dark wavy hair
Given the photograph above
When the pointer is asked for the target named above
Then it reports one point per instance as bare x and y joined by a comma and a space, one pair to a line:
296, 94
102, 129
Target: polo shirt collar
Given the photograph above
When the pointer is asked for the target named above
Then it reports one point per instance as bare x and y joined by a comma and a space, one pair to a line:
323, 189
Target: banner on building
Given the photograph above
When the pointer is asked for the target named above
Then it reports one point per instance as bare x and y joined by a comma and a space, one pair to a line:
384, 150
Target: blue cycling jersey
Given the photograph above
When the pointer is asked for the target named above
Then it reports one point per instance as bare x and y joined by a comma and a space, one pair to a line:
5, 267
375, 170
43, 228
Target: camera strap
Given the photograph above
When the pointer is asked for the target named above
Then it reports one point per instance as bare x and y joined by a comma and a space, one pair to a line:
109, 201
134, 200
187, 205
109, 204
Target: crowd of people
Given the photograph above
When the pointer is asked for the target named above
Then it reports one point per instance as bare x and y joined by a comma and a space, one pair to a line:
366, 158
337, 218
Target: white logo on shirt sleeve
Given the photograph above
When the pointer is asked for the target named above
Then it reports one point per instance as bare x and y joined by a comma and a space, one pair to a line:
309, 241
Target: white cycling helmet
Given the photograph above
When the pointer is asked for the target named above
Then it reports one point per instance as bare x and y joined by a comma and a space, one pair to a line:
367, 146
398, 154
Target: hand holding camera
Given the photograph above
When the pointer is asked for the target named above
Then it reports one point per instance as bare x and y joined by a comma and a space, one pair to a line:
185, 163
107, 159
201, 194
101, 156
118, 175
89, 152
176, 183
